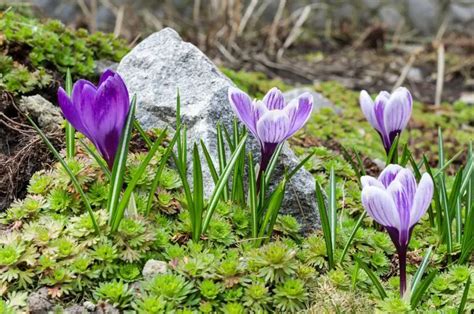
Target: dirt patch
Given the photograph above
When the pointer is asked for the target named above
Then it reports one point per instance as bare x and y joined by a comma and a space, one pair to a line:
22, 151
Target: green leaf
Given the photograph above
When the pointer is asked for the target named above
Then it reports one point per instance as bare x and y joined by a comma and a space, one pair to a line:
417, 294
421, 269
352, 235
214, 200
210, 163
299, 166
253, 196
100, 161
73, 178
272, 163
274, 204
198, 190
161, 167
323, 215
392, 156
222, 159
132, 184
465, 294
372, 277
70, 131
332, 208
142, 133
118, 170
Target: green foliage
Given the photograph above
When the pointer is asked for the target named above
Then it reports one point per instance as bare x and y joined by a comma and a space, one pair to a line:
35, 50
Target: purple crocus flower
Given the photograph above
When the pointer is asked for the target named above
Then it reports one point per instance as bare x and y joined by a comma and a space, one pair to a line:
271, 120
396, 202
98, 112
389, 114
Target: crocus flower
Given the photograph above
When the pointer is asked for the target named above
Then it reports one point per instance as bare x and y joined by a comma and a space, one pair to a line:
98, 112
396, 202
389, 114
271, 120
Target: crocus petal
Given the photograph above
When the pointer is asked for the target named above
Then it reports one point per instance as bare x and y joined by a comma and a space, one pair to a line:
397, 111
273, 127
299, 112
243, 107
105, 75
400, 199
367, 106
70, 111
259, 110
274, 99
380, 206
423, 197
388, 174
370, 181
407, 180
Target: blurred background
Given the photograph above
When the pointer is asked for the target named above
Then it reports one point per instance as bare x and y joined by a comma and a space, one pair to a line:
426, 45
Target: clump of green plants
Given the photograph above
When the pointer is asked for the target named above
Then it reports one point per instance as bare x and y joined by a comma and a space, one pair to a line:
34, 51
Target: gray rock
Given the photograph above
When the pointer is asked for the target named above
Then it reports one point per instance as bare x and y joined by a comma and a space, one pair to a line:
75, 309
415, 75
48, 116
318, 99
161, 64
371, 4
153, 267
391, 17
102, 65
88, 305
424, 15
38, 302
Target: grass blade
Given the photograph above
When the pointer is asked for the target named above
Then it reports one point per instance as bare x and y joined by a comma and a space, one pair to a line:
392, 156
100, 161
299, 166
132, 184
417, 294
210, 163
198, 192
323, 215
372, 277
161, 167
142, 133
272, 164
70, 131
222, 158
274, 204
253, 196
464, 295
120, 162
421, 269
352, 235
332, 208
222, 182
73, 178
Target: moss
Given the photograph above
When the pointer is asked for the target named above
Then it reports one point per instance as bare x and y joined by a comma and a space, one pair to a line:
33, 51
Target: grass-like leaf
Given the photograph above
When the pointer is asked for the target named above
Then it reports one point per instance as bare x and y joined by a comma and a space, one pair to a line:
100, 161
465, 294
70, 131
253, 201
73, 178
372, 277
323, 215
222, 159
272, 164
142, 133
198, 194
299, 166
274, 204
392, 156
132, 184
214, 200
161, 167
210, 163
118, 169
421, 269
417, 294
351, 236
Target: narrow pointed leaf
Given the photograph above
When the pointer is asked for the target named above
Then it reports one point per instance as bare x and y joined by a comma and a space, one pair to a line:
70, 131
372, 277
421, 269
323, 215
351, 236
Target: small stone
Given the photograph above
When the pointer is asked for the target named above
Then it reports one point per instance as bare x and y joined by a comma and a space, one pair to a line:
49, 117
153, 267
379, 163
38, 302
424, 15
467, 97
88, 305
75, 309
391, 17
319, 101
415, 75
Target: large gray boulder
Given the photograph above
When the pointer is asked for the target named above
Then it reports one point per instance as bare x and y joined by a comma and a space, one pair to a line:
163, 63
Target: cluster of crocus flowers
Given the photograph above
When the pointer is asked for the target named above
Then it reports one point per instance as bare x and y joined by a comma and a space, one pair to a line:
397, 202
271, 120
388, 114
98, 112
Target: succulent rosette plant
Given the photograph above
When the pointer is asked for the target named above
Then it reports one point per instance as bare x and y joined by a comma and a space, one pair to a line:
271, 120
397, 202
388, 114
99, 112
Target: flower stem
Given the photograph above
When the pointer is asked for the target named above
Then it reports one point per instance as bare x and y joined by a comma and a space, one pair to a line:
402, 261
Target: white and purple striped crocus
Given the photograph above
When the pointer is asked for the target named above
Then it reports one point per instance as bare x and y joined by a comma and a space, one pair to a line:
271, 120
388, 114
397, 202
98, 112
